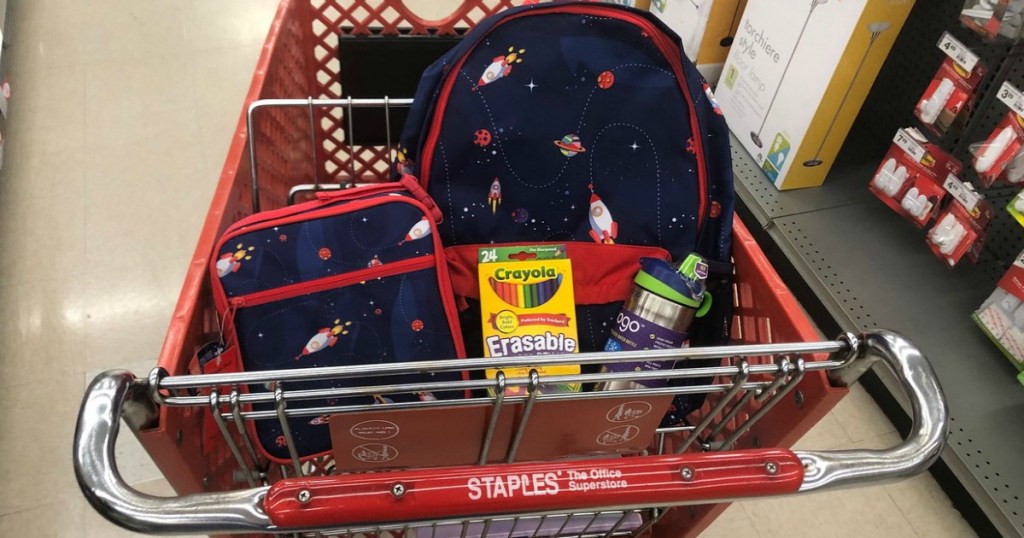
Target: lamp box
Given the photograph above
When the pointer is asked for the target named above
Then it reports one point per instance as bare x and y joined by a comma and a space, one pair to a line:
797, 75
707, 29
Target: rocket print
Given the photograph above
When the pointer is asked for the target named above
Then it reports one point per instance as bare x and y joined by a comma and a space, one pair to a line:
500, 67
419, 231
404, 163
232, 261
324, 338
711, 98
602, 228
494, 195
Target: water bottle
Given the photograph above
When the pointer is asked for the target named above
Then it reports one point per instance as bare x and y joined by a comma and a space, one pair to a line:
664, 302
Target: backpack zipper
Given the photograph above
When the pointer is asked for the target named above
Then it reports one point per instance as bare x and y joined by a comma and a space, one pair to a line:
343, 196
327, 283
220, 296
664, 45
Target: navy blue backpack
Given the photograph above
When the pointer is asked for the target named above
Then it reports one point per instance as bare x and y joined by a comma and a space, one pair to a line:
581, 123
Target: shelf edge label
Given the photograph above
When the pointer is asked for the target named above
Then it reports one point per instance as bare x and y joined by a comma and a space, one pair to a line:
1012, 97
968, 198
909, 144
959, 52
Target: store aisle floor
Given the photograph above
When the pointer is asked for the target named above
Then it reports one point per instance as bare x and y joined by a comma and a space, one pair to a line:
120, 120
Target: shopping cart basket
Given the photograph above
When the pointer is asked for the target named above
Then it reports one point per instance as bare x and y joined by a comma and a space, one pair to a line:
762, 395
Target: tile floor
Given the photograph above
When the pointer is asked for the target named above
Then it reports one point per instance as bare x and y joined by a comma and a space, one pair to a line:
121, 117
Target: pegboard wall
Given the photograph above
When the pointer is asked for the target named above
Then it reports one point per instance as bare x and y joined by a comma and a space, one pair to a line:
904, 77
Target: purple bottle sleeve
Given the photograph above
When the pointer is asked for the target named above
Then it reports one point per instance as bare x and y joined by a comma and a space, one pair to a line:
631, 332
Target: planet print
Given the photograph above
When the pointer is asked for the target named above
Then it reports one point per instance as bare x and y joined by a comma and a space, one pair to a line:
483, 137
605, 80
416, 325
570, 145
520, 215
324, 253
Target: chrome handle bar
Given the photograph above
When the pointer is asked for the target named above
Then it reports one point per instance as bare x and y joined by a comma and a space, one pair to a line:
116, 393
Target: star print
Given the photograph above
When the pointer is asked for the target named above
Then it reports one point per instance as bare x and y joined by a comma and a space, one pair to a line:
364, 219
531, 85
634, 146
260, 335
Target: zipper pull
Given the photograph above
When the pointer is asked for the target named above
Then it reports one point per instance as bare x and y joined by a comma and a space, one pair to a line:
417, 191
228, 321
233, 305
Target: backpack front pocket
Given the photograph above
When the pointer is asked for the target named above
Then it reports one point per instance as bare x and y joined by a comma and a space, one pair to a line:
384, 314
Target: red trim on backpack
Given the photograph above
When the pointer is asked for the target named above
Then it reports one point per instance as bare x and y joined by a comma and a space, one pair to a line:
417, 191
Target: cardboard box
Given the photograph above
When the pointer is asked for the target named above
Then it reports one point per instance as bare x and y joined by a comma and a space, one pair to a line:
797, 75
707, 28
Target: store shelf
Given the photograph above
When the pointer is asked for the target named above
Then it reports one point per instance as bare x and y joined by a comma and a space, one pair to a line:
861, 266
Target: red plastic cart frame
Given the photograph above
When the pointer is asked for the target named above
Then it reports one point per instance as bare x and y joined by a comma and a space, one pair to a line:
298, 60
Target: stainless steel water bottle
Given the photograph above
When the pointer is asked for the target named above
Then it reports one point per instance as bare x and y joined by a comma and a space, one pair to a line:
664, 302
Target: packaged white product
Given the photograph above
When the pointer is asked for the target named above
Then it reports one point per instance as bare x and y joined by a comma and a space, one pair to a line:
1001, 316
796, 77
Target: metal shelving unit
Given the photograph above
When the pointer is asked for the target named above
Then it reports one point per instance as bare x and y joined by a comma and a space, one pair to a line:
856, 265
861, 266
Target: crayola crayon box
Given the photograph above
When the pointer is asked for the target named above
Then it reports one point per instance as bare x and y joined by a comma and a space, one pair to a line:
527, 305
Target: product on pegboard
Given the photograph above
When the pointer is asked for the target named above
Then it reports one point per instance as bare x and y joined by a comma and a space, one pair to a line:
911, 176
1016, 207
961, 228
922, 200
890, 179
994, 18
993, 157
1001, 316
948, 100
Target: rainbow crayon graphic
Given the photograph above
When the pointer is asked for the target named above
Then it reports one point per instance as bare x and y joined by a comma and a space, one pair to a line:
526, 295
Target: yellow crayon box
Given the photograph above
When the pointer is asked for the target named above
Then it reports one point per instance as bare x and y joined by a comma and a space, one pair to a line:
528, 308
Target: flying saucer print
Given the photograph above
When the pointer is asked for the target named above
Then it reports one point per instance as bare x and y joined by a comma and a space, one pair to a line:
570, 145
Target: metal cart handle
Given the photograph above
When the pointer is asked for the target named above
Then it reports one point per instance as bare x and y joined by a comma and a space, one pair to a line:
697, 478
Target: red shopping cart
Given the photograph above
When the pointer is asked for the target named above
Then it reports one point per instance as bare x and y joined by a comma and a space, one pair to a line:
763, 393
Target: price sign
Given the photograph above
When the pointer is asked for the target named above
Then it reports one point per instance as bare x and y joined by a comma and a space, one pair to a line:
909, 145
967, 197
1012, 97
958, 52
